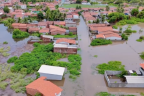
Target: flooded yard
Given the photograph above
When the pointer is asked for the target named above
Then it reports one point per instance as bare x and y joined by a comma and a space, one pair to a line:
89, 82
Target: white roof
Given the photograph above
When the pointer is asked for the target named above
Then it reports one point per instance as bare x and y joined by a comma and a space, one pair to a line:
130, 71
48, 36
51, 70
75, 16
135, 79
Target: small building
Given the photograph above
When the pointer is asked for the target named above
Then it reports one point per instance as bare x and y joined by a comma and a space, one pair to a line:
51, 72
66, 46
43, 87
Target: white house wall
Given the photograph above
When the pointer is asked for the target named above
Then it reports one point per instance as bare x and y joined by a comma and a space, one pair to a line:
51, 76
113, 38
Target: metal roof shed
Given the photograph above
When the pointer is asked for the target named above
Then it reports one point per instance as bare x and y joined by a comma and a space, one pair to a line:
51, 72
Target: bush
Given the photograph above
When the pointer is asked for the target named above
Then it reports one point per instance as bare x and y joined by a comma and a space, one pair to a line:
115, 27
12, 59
29, 63
19, 34
97, 42
5, 42
124, 37
72, 77
141, 37
142, 55
139, 40
3, 85
112, 65
70, 33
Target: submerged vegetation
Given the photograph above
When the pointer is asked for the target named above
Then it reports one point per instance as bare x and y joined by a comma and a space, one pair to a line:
19, 34
42, 54
97, 42
142, 55
4, 51
112, 65
109, 94
141, 38
16, 81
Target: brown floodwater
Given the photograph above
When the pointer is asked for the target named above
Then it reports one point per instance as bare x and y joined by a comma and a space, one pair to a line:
89, 82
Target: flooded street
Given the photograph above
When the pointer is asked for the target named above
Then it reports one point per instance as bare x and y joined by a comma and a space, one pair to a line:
89, 82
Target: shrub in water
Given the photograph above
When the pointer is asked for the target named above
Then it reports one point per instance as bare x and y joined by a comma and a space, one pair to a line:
12, 59
97, 42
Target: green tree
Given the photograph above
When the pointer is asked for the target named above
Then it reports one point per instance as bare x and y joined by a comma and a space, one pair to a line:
25, 20
103, 18
6, 9
134, 12
88, 0
97, 21
79, 1
19, 20
57, 6
40, 16
107, 8
37, 8
47, 15
141, 15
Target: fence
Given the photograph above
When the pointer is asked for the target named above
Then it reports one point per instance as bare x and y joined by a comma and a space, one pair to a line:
123, 84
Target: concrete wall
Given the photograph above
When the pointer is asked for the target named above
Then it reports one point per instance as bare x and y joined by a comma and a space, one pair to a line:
51, 76
113, 38
66, 50
70, 25
124, 84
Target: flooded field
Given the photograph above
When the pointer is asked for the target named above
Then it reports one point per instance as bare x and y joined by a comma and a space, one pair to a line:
89, 82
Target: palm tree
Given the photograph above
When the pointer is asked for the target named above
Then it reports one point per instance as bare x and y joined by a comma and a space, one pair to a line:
25, 20
19, 20
107, 8
48, 14
37, 8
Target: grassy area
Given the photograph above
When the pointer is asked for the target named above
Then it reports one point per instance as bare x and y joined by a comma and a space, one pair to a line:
83, 6
112, 65
64, 36
141, 38
95, 56
17, 81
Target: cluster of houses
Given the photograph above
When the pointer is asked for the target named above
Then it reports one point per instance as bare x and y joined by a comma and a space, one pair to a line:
103, 31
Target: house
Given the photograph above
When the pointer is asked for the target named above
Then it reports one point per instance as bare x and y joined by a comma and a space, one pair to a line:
15, 25
59, 23
64, 45
44, 30
73, 29
69, 17
85, 3
45, 88
46, 38
54, 30
33, 29
51, 72
42, 24
23, 27
23, 6
71, 24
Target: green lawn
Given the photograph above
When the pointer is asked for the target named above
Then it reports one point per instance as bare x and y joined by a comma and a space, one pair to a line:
83, 6
64, 36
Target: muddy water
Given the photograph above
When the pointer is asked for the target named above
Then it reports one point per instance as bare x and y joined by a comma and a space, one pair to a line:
90, 82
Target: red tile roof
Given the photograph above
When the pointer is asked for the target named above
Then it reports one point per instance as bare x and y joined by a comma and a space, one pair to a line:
99, 36
66, 40
46, 88
73, 28
142, 65
44, 30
